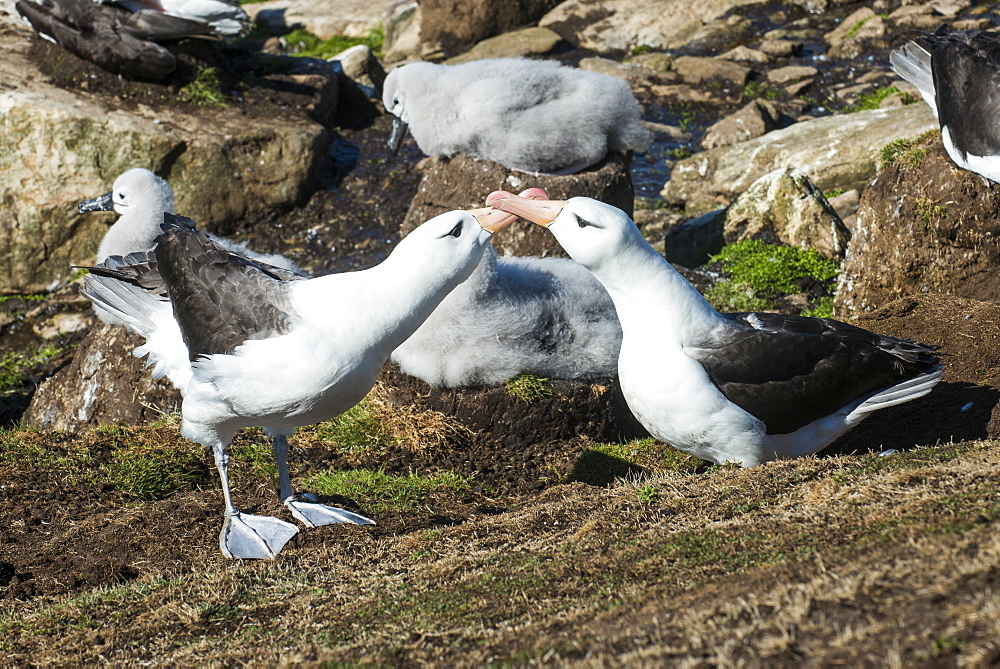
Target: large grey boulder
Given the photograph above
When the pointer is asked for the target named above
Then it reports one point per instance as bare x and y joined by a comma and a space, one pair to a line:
785, 206
449, 27
462, 182
103, 384
839, 151
58, 147
619, 25
924, 226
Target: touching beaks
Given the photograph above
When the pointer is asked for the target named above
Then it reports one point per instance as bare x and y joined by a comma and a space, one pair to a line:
540, 211
493, 219
101, 203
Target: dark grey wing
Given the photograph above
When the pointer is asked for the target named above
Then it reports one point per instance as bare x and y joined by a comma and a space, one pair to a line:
220, 299
966, 69
93, 32
139, 269
905, 349
787, 379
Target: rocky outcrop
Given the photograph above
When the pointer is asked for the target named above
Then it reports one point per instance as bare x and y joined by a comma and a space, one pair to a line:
57, 147
462, 182
838, 151
103, 384
924, 226
786, 207
449, 27
515, 44
757, 118
619, 25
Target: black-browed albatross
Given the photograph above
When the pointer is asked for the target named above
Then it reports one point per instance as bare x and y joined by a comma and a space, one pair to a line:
744, 388
246, 347
958, 74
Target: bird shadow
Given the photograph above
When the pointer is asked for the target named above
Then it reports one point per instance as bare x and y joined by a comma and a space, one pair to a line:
952, 412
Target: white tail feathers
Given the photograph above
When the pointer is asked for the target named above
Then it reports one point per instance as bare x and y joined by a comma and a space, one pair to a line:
906, 391
912, 62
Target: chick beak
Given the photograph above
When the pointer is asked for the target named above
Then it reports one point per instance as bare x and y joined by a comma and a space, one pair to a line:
397, 134
102, 203
542, 212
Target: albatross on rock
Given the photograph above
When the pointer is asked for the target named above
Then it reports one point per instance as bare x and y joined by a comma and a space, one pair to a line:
544, 316
956, 73
744, 388
529, 115
246, 347
140, 198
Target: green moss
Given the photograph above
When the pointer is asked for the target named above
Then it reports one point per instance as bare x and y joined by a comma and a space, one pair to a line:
381, 491
874, 99
755, 90
304, 43
680, 153
907, 151
641, 49
757, 273
205, 90
528, 388
928, 210
836, 192
856, 27
15, 365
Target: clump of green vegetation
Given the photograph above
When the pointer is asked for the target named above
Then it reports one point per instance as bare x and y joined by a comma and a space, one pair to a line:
205, 89
382, 491
874, 99
680, 153
304, 43
155, 472
908, 151
650, 203
836, 192
758, 273
646, 493
760, 90
357, 430
928, 210
14, 366
603, 464
641, 49
856, 27
528, 388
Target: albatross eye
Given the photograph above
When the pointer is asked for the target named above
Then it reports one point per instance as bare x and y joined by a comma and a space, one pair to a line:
456, 231
582, 222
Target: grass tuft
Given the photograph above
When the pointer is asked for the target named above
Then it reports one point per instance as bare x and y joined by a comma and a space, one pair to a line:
874, 99
303, 43
380, 491
528, 388
205, 90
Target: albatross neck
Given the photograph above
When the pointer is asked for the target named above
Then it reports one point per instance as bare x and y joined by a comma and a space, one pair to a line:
650, 295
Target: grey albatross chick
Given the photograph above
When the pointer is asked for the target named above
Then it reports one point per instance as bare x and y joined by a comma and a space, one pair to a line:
246, 347
744, 388
528, 115
544, 316
958, 75
140, 198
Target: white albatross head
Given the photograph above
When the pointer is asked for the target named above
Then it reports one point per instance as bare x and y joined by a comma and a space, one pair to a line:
592, 232
137, 189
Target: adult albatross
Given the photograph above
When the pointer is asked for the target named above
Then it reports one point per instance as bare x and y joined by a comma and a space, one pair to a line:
246, 347
956, 72
745, 388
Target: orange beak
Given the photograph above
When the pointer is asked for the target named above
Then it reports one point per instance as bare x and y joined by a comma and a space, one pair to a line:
493, 219
536, 210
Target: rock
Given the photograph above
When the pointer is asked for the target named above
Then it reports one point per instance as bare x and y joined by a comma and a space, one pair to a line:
635, 74
753, 120
402, 32
781, 48
453, 26
658, 62
848, 39
790, 73
526, 42
462, 182
697, 70
61, 323
786, 207
838, 151
103, 384
846, 204
221, 172
323, 18
360, 65
745, 54
915, 17
608, 26
691, 243
928, 227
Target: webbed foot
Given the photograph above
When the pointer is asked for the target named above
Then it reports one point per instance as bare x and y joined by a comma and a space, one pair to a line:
313, 514
247, 536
